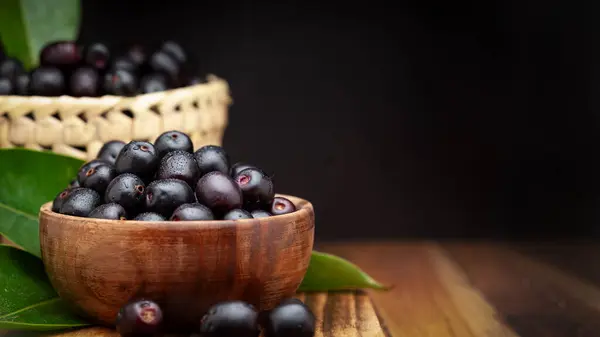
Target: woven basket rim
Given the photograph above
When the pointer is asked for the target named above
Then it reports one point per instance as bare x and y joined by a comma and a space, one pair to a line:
211, 80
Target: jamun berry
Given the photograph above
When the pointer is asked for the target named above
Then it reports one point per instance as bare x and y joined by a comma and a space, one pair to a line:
21, 86
179, 165
110, 150
231, 318
110, 211
47, 81
74, 183
98, 178
6, 87
192, 212
257, 187
239, 167
175, 51
120, 83
219, 192
172, 141
237, 214
124, 63
291, 318
82, 173
282, 205
142, 318
137, 55
60, 198
259, 213
84, 82
212, 158
163, 63
97, 55
11, 68
60, 54
153, 83
80, 202
139, 158
165, 195
149, 216
127, 190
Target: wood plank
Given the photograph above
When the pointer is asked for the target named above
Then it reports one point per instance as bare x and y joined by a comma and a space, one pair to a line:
431, 297
340, 314
536, 299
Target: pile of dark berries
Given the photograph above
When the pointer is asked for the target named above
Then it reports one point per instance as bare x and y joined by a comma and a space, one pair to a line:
92, 70
291, 318
167, 180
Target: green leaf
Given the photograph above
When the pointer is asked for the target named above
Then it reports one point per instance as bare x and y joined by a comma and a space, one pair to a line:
27, 25
28, 301
328, 272
29, 179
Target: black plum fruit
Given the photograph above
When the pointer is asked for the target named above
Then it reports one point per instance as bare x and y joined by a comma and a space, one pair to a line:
97, 55
84, 82
192, 212
259, 213
11, 68
149, 216
153, 83
257, 188
219, 192
21, 85
229, 319
167, 181
142, 318
165, 195
98, 178
47, 81
212, 158
137, 55
124, 63
128, 190
282, 205
110, 150
175, 51
61, 54
80, 202
237, 214
6, 87
139, 158
120, 83
111, 211
291, 318
179, 165
163, 63
171, 141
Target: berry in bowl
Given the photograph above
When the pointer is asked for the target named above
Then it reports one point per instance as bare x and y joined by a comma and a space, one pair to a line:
184, 229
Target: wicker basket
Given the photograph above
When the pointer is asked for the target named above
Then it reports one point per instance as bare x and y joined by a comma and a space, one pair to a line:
78, 127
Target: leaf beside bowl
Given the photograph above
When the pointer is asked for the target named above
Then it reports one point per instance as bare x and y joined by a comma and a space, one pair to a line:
27, 25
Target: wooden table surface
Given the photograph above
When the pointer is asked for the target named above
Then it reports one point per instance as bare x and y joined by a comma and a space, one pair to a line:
460, 289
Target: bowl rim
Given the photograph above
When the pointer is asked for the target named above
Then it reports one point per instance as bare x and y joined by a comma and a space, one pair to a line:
304, 207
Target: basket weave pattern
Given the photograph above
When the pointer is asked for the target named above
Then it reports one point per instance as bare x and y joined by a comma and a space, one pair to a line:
78, 127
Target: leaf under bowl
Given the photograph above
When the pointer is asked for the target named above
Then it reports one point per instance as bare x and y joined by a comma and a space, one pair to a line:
328, 272
27, 25
28, 300
28, 179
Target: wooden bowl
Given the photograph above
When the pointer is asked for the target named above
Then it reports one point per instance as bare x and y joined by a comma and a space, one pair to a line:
98, 265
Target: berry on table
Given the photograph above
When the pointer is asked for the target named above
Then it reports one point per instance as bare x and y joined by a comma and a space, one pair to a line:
172, 141
149, 216
110, 150
110, 211
219, 192
80, 202
179, 165
229, 319
192, 212
139, 158
165, 195
212, 158
128, 190
47, 81
291, 318
237, 214
282, 205
143, 318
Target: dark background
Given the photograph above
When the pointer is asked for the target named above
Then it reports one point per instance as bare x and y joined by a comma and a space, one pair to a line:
438, 119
